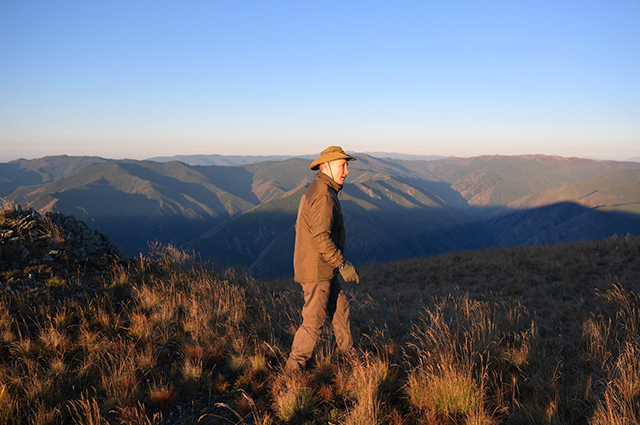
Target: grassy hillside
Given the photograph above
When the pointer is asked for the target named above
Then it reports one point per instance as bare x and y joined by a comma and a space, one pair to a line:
274, 179
24, 172
137, 202
393, 208
386, 219
619, 189
51, 168
499, 180
546, 334
402, 209
244, 241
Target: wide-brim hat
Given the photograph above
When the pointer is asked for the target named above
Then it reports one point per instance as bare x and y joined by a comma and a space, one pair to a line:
331, 154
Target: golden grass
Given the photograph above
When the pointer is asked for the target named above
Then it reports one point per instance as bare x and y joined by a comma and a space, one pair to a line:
293, 399
366, 379
86, 411
519, 335
446, 390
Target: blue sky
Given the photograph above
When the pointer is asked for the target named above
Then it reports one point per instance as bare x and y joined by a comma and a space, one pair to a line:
137, 79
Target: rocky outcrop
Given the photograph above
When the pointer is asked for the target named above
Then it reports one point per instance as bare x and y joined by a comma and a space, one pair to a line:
28, 238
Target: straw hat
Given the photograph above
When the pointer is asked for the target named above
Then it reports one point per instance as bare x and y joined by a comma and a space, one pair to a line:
330, 154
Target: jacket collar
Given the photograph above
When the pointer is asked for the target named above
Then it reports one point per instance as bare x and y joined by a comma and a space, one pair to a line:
329, 181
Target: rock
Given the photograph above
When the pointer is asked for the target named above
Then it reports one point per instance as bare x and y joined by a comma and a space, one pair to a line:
27, 237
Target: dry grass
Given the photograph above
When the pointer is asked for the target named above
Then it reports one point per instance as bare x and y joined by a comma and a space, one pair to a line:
293, 399
521, 335
367, 378
86, 411
620, 404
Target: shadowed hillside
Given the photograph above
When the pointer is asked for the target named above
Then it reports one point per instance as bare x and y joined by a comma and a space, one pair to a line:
545, 334
243, 216
404, 209
616, 191
24, 172
138, 202
499, 180
386, 219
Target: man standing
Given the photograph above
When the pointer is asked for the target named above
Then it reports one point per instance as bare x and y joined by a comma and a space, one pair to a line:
319, 256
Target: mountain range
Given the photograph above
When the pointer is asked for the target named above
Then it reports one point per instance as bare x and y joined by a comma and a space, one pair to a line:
242, 213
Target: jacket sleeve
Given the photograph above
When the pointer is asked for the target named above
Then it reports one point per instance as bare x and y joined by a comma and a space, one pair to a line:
321, 214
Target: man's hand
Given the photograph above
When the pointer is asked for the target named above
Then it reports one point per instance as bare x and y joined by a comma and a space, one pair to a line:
349, 273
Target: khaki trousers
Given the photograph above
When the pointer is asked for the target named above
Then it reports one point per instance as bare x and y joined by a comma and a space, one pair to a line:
322, 300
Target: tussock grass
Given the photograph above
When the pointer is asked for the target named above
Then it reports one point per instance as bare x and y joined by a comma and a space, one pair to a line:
86, 411
293, 399
367, 378
513, 335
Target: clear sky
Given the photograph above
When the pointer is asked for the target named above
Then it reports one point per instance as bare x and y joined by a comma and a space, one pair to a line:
137, 79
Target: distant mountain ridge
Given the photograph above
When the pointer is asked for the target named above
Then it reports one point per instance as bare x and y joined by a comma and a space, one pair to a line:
243, 215
215, 159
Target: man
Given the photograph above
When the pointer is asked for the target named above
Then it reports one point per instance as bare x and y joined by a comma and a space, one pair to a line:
319, 256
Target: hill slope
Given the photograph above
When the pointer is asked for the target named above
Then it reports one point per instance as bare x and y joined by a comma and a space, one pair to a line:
393, 208
584, 210
402, 209
499, 180
24, 172
617, 190
388, 215
545, 334
137, 202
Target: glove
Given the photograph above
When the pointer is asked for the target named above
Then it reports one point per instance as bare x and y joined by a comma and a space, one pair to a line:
348, 272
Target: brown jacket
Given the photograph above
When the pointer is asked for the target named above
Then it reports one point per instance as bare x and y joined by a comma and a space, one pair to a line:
320, 233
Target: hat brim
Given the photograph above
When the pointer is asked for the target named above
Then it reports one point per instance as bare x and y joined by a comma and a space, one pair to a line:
331, 157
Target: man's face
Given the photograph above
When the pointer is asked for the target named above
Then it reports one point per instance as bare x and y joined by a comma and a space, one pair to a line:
337, 170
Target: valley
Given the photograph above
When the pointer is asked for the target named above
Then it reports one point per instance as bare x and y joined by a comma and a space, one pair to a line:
242, 214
